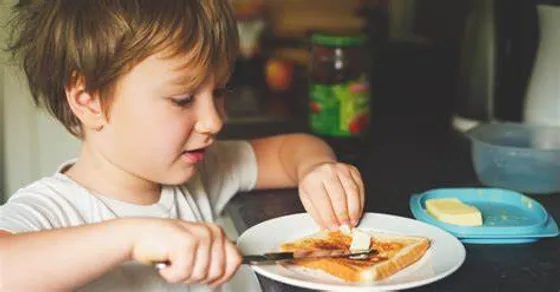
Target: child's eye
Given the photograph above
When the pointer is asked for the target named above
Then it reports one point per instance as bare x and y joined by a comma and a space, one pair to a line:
183, 101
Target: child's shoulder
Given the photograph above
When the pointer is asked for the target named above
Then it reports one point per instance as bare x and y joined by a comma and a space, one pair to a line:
57, 185
50, 202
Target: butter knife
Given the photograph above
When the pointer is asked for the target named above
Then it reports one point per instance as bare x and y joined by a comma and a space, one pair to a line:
276, 257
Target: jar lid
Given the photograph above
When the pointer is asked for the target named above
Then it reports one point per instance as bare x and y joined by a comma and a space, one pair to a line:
337, 40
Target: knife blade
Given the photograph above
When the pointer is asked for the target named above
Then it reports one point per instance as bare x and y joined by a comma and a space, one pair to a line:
275, 257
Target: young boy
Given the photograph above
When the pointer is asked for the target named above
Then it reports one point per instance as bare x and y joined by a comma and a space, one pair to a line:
140, 83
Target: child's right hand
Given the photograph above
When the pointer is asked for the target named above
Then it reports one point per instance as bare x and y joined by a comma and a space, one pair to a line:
197, 253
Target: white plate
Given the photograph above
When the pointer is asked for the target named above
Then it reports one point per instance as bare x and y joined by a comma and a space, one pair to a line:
446, 253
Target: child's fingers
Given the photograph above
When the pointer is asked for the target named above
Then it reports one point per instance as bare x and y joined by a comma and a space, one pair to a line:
233, 261
308, 205
337, 196
352, 191
179, 270
321, 201
182, 261
355, 173
203, 254
218, 260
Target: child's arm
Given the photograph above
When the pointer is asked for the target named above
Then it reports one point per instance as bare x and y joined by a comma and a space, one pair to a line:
332, 192
62, 259
65, 259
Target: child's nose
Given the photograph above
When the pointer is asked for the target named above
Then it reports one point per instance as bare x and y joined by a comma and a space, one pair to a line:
210, 120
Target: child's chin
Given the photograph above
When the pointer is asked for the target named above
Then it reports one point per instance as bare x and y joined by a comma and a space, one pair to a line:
179, 178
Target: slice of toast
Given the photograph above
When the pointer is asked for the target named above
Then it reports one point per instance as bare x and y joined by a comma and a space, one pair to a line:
395, 253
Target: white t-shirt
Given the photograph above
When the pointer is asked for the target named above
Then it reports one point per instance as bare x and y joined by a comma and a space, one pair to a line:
58, 202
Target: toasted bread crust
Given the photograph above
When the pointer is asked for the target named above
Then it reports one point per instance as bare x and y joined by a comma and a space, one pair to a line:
400, 261
395, 254
335, 268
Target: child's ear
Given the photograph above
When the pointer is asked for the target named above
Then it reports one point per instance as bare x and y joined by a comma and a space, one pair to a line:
85, 105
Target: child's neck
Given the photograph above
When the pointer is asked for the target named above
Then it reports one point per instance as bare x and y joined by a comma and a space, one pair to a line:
104, 178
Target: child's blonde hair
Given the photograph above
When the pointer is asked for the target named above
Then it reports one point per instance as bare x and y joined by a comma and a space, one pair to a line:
61, 41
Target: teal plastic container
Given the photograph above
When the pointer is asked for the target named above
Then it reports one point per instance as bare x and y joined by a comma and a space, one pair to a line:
508, 216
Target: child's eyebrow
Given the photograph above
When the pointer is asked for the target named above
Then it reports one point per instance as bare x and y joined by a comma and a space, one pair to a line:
194, 81
184, 82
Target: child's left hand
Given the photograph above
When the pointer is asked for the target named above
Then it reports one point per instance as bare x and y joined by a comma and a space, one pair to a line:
333, 194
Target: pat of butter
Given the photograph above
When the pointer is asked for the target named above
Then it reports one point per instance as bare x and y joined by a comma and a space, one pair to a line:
453, 211
360, 241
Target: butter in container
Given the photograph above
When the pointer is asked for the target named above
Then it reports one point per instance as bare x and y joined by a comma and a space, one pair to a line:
453, 211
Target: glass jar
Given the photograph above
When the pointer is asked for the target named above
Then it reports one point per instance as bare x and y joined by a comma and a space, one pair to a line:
339, 93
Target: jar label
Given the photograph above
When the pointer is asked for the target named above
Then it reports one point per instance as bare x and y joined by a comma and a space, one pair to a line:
339, 109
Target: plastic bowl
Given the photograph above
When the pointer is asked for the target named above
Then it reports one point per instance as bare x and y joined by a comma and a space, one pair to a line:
520, 157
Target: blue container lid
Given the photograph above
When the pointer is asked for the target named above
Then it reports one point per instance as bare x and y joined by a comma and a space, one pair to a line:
508, 216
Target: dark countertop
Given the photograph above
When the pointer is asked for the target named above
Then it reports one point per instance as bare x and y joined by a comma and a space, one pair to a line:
403, 156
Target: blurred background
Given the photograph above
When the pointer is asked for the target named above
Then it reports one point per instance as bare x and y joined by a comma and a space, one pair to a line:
430, 58
405, 41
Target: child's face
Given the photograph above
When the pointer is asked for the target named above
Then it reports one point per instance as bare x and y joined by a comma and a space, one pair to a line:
157, 125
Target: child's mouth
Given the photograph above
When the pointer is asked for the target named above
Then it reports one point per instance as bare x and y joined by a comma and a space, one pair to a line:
194, 156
